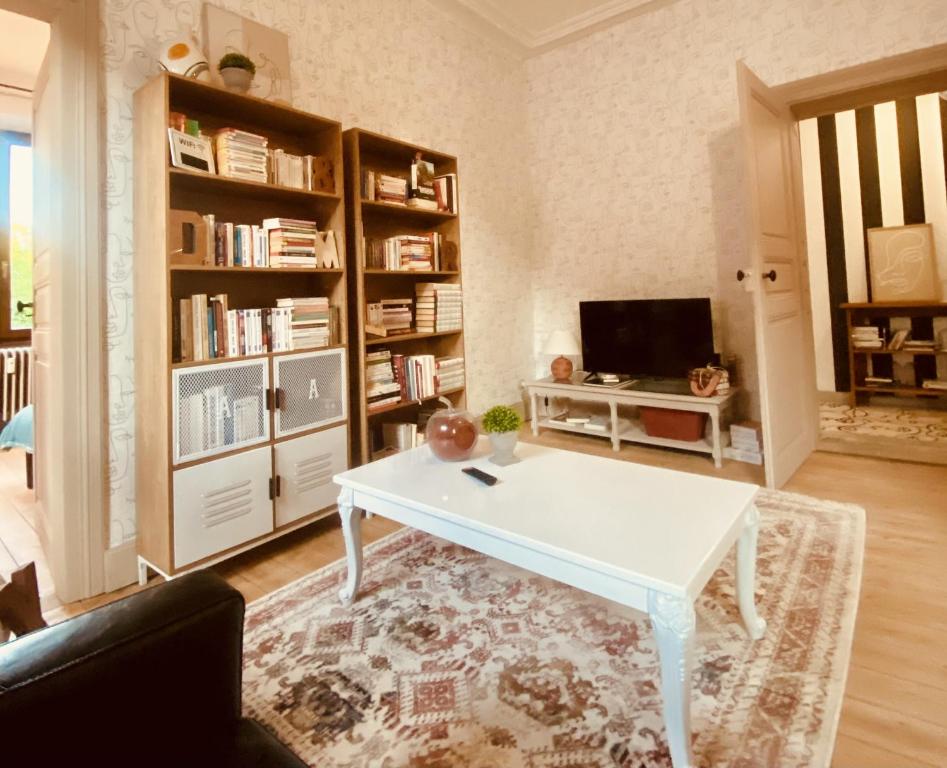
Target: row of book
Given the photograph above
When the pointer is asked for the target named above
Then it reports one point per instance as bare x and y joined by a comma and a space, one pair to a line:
394, 379
216, 417
206, 328
438, 307
420, 189
247, 156
402, 253
872, 337
276, 242
242, 155
746, 442
388, 317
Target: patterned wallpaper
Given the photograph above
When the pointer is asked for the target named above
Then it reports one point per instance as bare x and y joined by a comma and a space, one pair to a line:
620, 152
635, 150
401, 68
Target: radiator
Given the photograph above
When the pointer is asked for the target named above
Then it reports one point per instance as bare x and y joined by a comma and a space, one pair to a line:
15, 380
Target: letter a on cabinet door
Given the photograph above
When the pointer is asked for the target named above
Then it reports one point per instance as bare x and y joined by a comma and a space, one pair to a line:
775, 226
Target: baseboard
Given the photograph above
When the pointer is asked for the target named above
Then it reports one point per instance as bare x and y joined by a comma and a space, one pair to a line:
121, 566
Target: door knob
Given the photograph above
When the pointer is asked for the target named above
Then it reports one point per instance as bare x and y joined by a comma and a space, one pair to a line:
771, 275
741, 275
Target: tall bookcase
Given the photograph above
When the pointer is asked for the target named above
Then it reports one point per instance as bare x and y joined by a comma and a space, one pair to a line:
369, 219
200, 498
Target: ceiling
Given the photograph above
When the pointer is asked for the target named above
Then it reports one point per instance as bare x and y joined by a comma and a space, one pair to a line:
23, 44
537, 25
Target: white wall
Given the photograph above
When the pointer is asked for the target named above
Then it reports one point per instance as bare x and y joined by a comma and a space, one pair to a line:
635, 151
401, 68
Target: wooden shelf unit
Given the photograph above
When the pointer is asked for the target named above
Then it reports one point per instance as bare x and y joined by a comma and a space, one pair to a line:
268, 494
365, 150
880, 361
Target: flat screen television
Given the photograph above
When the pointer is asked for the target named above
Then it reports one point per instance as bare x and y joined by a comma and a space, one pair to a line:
651, 338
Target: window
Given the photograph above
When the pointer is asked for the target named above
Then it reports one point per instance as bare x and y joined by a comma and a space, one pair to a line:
16, 236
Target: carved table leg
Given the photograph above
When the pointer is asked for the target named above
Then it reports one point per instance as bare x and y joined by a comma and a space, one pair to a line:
746, 574
352, 532
673, 621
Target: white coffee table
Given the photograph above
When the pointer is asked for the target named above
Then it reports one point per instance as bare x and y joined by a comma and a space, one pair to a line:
644, 537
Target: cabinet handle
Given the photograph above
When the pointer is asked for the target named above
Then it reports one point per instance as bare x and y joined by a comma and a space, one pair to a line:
280, 398
268, 399
272, 489
278, 485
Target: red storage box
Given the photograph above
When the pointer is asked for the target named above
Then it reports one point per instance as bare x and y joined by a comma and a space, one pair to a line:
674, 425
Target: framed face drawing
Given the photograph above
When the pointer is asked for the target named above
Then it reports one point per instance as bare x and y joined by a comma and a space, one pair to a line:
228, 32
903, 264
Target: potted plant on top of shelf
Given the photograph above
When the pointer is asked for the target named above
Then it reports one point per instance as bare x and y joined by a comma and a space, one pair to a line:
502, 424
237, 71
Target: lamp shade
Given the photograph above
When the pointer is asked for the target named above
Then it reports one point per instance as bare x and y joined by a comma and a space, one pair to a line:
562, 343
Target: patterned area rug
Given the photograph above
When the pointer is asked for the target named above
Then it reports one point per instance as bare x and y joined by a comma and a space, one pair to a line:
450, 659
924, 426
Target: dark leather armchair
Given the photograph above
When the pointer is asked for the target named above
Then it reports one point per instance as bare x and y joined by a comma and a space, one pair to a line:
150, 680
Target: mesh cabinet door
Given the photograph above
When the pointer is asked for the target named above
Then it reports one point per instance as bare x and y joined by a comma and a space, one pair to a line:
219, 407
311, 390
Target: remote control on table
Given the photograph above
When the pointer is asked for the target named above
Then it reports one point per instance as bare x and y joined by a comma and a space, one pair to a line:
480, 475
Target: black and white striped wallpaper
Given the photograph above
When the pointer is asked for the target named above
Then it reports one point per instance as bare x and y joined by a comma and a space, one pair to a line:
878, 166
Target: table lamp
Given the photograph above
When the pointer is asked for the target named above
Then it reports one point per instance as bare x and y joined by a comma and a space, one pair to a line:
562, 343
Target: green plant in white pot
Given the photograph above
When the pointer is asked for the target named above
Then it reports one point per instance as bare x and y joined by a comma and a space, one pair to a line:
502, 424
237, 71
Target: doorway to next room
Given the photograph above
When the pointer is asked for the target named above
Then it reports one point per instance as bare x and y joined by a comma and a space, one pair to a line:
875, 199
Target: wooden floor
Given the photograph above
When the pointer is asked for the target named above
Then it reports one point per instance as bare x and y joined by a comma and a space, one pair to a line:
895, 708
19, 539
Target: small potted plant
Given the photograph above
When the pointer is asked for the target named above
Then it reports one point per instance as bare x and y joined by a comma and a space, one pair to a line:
502, 424
237, 71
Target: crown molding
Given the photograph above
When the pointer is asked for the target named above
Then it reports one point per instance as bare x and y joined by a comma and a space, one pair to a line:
479, 25
493, 15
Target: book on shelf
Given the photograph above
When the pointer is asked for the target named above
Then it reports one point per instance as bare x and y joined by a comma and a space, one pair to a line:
274, 243
939, 385
383, 187
206, 328
898, 339
878, 381
445, 192
425, 376
919, 345
309, 172
241, 155
401, 436
439, 307
421, 185
381, 389
312, 322
389, 317
403, 253
216, 417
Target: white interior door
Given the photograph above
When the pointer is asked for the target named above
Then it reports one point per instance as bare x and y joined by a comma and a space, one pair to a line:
46, 466
777, 279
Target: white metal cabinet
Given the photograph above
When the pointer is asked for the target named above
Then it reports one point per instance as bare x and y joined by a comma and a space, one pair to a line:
304, 467
311, 390
219, 407
221, 504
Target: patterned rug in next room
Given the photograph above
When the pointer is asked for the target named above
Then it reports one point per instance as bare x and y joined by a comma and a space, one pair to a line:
450, 659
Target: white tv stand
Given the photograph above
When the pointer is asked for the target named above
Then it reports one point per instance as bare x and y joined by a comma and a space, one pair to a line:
628, 429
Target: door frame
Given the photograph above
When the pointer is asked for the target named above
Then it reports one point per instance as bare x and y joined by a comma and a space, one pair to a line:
84, 427
907, 74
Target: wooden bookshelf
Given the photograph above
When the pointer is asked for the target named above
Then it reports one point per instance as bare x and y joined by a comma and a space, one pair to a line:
365, 150
880, 362
250, 481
